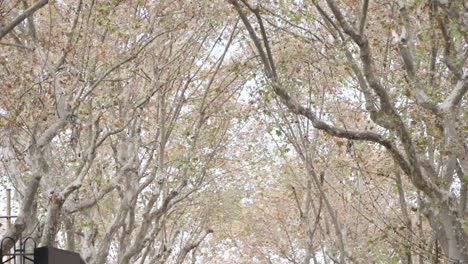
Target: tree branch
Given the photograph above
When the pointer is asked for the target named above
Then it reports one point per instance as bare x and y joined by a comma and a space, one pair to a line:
396, 123
455, 97
256, 40
362, 21
38, 5
408, 59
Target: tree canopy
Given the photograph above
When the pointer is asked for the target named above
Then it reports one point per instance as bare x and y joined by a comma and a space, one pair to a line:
237, 131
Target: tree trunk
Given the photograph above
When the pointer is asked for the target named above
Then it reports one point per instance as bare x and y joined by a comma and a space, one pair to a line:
450, 233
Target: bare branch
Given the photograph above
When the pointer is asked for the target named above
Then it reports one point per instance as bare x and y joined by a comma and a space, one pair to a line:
71, 208
256, 40
192, 244
362, 21
28, 12
408, 59
455, 97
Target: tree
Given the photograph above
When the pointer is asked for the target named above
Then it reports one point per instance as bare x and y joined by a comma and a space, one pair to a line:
111, 128
269, 132
419, 127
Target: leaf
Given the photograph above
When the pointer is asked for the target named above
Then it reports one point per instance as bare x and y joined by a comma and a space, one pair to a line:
278, 132
340, 143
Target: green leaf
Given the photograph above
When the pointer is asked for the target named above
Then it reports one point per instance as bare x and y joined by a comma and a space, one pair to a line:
279, 133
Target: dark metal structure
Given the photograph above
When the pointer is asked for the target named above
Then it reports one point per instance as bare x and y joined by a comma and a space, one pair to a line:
25, 251
50, 255
28, 253
18, 255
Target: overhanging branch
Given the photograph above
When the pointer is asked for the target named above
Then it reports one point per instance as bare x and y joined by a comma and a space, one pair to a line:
28, 12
